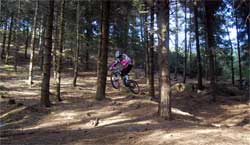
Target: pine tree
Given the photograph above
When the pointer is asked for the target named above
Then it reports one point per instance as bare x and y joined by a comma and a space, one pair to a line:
103, 52
76, 52
165, 96
151, 55
32, 50
59, 60
47, 57
198, 45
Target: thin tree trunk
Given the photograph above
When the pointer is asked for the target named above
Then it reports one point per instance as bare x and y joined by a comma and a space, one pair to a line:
47, 57
55, 46
76, 53
16, 36
4, 37
231, 56
89, 38
103, 52
143, 44
59, 59
190, 48
151, 56
32, 46
9, 39
239, 52
185, 53
165, 103
146, 45
176, 41
248, 59
26, 41
198, 45
41, 42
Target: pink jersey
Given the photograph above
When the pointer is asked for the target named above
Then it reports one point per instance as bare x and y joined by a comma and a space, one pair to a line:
125, 61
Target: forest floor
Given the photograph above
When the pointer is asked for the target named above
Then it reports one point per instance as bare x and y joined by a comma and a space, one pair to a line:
121, 119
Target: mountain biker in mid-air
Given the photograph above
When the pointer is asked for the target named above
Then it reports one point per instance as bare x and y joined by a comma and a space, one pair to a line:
125, 62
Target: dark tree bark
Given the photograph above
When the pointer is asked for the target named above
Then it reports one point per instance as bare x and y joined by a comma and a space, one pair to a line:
239, 52
55, 44
143, 43
41, 42
185, 53
198, 45
248, 59
59, 60
16, 43
190, 48
47, 57
211, 45
26, 42
151, 56
9, 39
146, 46
76, 52
32, 46
165, 102
103, 52
176, 41
4, 37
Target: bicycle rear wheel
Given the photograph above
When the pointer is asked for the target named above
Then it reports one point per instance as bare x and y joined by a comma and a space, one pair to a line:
133, 86
114, 78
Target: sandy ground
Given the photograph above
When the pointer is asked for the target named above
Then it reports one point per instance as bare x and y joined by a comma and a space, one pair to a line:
121, 119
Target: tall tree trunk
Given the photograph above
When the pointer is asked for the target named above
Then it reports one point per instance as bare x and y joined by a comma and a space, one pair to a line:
47, 57
41, 41
4, 37
151, 55
76, 53
55, 44
146, 46
16, 36
231, 56
103, 52
89, 39
198, 45
185, 53
211, 45
165, 103
239, 52
190, 47
248, 59
143, 43
26, 42
32, 46
59, 60
9, 39
176, 41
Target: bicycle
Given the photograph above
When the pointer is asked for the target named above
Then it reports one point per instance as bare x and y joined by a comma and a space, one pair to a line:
115, 81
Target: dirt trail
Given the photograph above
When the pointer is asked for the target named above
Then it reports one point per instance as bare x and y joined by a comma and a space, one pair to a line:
121, 119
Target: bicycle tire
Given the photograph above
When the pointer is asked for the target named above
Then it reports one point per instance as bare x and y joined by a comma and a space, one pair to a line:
133, 86
113, 82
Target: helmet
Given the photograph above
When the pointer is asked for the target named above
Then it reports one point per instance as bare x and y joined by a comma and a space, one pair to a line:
118, 54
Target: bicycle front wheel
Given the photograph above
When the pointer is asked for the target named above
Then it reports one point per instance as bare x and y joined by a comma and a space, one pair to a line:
133, 86
114, 78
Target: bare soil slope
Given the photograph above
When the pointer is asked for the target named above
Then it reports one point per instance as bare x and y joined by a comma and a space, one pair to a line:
121, 119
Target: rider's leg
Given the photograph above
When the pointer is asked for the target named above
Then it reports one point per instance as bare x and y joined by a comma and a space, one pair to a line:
125, 72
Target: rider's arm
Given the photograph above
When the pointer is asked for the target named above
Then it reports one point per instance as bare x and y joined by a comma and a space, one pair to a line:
114, 64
